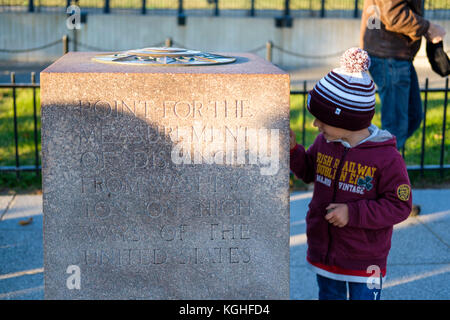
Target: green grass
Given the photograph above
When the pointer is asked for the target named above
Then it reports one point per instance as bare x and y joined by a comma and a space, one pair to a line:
433, 136
25, 123
29, 181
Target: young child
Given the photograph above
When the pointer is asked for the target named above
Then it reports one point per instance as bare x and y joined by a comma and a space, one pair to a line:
361, 186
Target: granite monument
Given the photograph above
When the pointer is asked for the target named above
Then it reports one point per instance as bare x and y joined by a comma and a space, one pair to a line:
165, 181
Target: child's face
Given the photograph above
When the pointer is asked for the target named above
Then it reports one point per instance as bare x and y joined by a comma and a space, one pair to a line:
329, 132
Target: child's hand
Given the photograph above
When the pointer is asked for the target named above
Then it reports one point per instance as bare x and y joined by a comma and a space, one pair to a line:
337, 214
292, 139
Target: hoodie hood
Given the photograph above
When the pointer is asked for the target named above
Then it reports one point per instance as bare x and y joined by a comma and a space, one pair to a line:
378, 137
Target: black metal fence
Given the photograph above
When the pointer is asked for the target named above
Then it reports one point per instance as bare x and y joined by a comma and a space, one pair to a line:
14, 87
421, 166
437, 9
301, 95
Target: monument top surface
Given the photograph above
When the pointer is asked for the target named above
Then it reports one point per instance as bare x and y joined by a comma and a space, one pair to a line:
83, 62
163, 57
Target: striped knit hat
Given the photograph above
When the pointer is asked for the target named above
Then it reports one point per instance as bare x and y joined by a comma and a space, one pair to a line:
345, 97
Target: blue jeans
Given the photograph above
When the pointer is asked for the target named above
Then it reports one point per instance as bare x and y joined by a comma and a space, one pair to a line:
330, 289
398, 87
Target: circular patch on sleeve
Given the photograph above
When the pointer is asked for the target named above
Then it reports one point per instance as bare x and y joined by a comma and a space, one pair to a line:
403, 192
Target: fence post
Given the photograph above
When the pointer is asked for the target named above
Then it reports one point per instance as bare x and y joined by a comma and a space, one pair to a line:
444, 124
75, 40
322, 9
36, 151
287, 8
216, 8
287, 14
180, 7
181, 16
13, 82
106, 7
144, 8
252, 8
425, 103
355, 13
30, 5
65, 41
305, 99
269, 47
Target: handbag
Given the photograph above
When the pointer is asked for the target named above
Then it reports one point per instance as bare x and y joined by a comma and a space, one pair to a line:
438, 59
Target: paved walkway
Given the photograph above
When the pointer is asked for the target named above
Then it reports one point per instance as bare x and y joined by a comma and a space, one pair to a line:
419, 260
418, 265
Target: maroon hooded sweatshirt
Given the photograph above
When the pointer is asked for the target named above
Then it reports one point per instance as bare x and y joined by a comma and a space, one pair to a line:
371, 178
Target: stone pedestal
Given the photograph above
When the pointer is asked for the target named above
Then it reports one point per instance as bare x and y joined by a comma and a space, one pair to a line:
165, 182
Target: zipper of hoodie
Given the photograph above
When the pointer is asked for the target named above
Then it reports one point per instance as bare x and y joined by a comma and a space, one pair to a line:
335, 186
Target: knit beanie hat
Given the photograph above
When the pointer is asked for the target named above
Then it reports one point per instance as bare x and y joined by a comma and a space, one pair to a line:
345, 97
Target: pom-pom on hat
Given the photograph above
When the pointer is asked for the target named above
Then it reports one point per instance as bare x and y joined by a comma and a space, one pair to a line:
345, 97
355, 60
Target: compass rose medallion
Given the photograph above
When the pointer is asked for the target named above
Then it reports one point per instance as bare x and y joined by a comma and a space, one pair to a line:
164, 56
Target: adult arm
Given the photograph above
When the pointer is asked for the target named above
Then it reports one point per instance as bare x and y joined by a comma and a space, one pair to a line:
398, 16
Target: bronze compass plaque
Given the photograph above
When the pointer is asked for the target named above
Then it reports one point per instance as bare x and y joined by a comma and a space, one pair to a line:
164, 56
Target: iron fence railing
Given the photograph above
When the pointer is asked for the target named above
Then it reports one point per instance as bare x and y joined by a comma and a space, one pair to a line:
441, 165
437, 9
421, 166
14, 87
